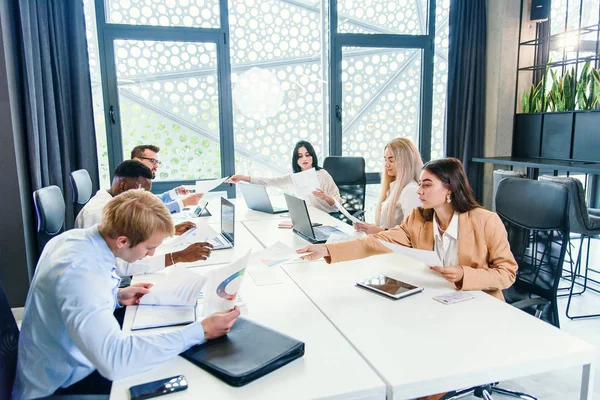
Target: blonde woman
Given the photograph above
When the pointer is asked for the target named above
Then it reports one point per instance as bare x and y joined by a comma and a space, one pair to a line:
399, 185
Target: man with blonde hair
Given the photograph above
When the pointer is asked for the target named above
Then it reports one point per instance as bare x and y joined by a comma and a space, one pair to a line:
70, 341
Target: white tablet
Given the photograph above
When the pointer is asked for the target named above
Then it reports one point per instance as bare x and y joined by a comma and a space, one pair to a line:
389, 287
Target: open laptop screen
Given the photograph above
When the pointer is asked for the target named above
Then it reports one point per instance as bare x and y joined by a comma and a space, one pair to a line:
299, 215
227, 219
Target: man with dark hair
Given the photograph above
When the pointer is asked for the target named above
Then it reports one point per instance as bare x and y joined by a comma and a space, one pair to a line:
147, 154
132, 174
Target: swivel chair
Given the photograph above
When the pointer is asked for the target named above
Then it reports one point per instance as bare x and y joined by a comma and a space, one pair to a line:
541, 211
50, 210
349, 175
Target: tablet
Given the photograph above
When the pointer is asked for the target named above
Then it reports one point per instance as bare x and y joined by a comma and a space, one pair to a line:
389, 287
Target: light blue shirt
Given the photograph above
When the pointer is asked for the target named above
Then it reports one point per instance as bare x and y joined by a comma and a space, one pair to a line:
68, 328
169, 200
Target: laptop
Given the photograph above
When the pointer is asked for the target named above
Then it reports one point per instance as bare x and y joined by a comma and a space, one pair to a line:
303, 227
224, 240
256, 198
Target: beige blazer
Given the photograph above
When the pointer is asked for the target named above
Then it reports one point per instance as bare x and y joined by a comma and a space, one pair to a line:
483, 250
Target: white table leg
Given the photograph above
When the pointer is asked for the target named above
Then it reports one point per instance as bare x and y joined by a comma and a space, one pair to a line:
587, 382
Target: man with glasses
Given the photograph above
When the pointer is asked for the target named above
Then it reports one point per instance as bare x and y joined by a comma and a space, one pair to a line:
147, 155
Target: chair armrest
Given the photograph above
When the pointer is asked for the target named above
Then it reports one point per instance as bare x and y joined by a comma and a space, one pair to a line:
522, 304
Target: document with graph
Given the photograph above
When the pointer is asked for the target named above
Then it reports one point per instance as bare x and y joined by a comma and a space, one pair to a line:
172, 299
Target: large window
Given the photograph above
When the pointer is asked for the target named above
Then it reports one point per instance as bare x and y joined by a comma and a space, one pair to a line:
224, 87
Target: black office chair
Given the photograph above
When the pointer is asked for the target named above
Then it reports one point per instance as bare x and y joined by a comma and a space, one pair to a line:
50, 210
81, 185
349, 175
584, 222
537, 221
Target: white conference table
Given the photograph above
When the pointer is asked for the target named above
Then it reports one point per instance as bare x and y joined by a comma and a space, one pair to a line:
360, 345
330, 368
418, 345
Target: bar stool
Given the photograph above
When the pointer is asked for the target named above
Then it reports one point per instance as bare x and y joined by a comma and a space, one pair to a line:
585, 222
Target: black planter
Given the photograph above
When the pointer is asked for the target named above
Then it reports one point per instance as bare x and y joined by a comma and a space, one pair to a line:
586, 135
527, 135
556, 135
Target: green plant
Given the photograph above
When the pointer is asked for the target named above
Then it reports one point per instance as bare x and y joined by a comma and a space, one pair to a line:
532, 99
588, 88
565, 93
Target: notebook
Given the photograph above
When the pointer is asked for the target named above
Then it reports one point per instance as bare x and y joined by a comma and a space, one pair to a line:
302, 224
246, 353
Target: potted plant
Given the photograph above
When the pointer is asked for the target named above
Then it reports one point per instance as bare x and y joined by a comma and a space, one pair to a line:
561, 123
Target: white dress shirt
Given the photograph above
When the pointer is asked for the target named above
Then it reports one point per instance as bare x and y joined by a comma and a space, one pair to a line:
326, 183
68, 328
91, 214
446, 245
407, 201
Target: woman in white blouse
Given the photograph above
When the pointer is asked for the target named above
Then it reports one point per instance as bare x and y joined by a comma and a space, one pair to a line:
399, 184
303, 159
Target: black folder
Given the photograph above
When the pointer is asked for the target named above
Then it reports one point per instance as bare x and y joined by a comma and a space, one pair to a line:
246, 353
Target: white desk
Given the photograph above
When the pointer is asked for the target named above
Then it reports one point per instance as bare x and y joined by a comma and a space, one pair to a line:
422, 347
416, 345
330, 368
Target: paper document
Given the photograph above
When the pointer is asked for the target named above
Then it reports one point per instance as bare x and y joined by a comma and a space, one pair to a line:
425, 256
148, 316
338, 237
346, 213
207, 186
223, 284
202, 232
305, 182
176, 287
171, 301
277, 254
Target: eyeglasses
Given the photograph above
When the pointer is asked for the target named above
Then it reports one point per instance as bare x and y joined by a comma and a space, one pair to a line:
153, 161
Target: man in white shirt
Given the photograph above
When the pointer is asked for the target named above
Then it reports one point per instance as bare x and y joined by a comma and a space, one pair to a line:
131, 174
68, 330
147, 154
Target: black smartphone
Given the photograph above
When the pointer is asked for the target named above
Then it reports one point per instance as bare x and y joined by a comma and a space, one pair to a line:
158, 388
315, 224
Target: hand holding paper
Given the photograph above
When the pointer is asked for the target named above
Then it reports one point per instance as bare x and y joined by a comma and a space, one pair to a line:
346, 213
208, 185
425, 256
305, 182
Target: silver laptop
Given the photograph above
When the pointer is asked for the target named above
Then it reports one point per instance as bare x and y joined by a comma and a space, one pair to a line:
256, 198
224, 240
301, 221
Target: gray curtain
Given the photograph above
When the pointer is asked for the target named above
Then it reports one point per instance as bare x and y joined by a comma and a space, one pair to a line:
465, 118
56, 94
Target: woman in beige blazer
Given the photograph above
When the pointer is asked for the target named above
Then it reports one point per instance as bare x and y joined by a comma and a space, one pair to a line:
471, 241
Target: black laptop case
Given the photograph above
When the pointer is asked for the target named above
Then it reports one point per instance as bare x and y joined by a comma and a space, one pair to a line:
246, 353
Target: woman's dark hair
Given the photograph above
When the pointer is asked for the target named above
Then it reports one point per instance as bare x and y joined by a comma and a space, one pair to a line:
452, 174
311, 151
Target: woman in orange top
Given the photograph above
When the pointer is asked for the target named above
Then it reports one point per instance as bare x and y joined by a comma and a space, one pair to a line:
470, 241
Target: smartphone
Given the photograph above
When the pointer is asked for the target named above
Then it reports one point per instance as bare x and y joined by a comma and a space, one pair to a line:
389, 287
158, 388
